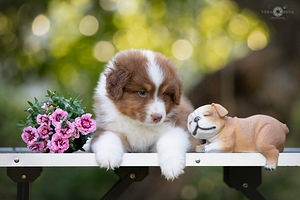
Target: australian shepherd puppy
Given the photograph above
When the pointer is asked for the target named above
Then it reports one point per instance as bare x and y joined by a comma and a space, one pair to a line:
139, 108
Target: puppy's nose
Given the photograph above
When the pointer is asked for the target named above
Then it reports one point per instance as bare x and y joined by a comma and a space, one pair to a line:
196, 119
156, 117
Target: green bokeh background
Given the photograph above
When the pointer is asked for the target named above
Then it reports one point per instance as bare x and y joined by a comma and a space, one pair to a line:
64, 45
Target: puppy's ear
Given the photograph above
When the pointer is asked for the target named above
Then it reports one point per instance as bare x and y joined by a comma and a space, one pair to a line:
178, 90
116, 80
222, 112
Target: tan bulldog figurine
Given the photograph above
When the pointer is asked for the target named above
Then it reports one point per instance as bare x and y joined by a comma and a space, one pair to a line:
258, 133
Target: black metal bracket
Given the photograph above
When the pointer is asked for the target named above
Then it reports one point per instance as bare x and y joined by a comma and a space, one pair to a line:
24, 176
128, 175
244, 179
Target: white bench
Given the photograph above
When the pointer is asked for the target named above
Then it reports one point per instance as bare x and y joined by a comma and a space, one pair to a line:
241, 170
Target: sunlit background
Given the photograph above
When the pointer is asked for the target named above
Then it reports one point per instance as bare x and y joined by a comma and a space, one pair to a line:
64, 45
69, 37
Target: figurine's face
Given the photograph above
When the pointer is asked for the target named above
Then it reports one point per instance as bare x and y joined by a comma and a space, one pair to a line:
205, 122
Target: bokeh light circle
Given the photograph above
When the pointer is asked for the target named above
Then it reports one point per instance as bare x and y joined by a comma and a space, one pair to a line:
182, 50
103, 51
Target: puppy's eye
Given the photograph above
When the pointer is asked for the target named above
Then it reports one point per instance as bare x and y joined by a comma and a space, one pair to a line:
207, 115
142, 93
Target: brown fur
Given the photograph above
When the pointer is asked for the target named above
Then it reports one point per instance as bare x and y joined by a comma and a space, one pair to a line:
129, 76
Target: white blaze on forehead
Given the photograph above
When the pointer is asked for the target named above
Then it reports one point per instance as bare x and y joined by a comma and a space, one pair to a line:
157, 76
154, 70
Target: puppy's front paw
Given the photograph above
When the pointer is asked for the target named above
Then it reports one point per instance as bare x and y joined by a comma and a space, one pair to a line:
108, 150
172, 168
171, 150
109, 160
172, 171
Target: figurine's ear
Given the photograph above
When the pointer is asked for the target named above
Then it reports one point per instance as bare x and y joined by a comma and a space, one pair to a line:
222, 112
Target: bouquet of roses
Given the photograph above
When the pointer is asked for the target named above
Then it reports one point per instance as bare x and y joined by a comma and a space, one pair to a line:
57, 125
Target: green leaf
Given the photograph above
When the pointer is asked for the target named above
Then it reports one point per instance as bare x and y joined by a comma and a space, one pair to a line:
36, 102
49, 92
35, 109
31, 104
70, 115
82, 149
21, 123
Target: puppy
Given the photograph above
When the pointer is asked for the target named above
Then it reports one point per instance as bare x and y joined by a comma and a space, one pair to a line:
139, 108
258, 133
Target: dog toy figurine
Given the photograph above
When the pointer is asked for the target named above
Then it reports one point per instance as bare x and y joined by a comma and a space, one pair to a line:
258, 133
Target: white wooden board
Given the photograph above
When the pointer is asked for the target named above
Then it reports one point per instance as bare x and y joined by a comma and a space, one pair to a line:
20, 157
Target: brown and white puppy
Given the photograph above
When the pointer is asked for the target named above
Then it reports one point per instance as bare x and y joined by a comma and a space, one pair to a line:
139, 108
258, 133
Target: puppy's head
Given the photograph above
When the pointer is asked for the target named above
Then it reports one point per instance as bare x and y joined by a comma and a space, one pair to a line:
143, 85
206, 121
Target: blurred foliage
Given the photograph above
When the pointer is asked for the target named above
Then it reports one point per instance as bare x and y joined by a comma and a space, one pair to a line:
63, 45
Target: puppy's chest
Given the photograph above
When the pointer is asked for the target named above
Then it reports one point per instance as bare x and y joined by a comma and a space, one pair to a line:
142, 141
140, 138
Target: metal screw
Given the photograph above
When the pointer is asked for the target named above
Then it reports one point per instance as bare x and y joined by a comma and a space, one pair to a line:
16, 160
24, 176
245, 185
198, 161
132, 175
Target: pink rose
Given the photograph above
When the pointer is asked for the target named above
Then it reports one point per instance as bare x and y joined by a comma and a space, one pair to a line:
43, 119
58, 116
66, 131
58, 144
85, 124
37, 146
44, 131
29, 134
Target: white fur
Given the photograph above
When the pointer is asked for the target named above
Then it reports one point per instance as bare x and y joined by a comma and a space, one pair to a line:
87, 146
156, 75
171, 149
170, 142
156, 107
110, 146
154, 71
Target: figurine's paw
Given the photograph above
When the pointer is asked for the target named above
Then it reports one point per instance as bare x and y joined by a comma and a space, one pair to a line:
212, 147
270, 166
207, 148
172, 168
200, 148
